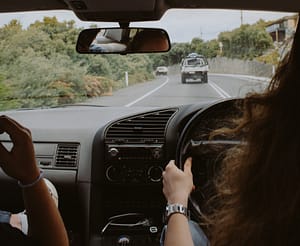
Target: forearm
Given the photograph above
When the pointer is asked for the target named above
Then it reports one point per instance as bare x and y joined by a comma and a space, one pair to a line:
178, 232
45, 223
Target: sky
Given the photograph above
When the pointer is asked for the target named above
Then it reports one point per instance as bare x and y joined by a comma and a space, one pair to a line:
182, 25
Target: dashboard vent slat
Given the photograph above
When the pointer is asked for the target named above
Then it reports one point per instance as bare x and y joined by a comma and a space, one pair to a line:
67, 155
140, 128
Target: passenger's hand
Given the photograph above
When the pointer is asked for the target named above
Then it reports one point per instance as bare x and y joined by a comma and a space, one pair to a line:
178, 184
19, 162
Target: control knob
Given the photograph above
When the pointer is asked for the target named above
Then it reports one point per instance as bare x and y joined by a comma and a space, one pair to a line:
157, 153
113, 173
113, 152
155, 173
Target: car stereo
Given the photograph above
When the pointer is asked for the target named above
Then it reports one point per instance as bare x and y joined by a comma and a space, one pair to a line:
134, 163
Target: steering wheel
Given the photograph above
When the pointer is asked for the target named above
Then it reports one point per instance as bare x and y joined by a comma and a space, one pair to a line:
207, 153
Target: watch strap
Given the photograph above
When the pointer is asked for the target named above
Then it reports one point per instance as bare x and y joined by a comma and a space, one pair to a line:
175, 208
4, 216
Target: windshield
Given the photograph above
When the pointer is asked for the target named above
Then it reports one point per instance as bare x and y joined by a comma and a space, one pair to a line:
39, 66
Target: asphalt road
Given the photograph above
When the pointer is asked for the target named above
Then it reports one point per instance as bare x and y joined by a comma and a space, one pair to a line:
168, 90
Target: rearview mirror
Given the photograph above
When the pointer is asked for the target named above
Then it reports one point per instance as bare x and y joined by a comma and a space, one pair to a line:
122, 40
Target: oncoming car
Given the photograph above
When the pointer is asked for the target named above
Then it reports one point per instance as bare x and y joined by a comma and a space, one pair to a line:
161, 70
103, 125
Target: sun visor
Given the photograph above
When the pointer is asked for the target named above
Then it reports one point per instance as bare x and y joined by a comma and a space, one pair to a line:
117, 10
112, 5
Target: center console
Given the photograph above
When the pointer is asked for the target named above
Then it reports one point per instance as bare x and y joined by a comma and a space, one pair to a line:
132, 202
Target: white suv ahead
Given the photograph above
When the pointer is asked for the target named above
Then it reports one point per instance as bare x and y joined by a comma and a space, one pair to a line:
194, 67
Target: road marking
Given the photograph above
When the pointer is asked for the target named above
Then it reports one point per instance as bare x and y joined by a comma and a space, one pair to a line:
242, 76
219, 90
147, 94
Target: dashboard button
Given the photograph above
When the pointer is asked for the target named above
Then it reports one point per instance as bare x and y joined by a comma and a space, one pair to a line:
155, 173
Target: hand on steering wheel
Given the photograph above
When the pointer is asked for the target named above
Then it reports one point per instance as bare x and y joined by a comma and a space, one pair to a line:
178, 184
207, 153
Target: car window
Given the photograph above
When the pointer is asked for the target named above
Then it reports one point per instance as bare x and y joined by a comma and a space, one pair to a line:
195, 61
233, 53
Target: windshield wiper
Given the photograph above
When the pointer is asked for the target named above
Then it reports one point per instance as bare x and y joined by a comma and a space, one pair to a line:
76, 105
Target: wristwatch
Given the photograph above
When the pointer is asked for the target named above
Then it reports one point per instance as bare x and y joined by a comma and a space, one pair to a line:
175, 208
5, 217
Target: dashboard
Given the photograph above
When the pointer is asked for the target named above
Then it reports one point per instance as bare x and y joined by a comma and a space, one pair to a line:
107, 164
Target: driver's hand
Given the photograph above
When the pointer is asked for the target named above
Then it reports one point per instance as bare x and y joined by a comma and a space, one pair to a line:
178, 184
19, 162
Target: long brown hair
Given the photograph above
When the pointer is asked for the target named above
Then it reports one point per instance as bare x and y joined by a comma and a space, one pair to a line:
259, 183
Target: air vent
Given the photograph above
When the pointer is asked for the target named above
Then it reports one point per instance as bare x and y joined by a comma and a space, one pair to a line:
145, 128
67, 155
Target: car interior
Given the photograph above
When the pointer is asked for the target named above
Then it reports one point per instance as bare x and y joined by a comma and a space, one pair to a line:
107, 162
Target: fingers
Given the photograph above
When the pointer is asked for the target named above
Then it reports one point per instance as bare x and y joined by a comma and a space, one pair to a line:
177, 184
6, 125
188, 166
188, 169
19, 125
12, 128
170, 165
4, 154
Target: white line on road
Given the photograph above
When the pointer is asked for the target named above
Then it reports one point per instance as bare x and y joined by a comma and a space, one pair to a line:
147, 94
219, 90
241, 76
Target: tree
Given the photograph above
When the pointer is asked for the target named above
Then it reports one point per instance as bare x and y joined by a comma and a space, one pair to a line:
57, 72
246, 42
211, 48
178, 51
6, 97
13, 27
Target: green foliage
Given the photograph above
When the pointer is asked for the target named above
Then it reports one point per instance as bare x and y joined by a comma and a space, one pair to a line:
197, 45
209, 49
270, 58
246, 42
8, 30
6, 96
98, 66
39, 66
177, 52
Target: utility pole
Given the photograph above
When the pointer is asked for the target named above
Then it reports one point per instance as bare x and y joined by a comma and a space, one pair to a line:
200, 33
242, 18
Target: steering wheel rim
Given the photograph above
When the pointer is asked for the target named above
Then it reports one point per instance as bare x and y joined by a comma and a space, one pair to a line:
183, 143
